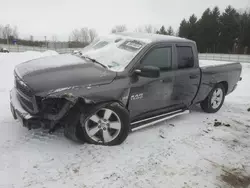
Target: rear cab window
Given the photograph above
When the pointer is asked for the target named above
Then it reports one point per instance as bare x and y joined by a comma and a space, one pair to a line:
185, 57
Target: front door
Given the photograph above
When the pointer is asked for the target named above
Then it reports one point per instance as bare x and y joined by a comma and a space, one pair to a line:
151, 94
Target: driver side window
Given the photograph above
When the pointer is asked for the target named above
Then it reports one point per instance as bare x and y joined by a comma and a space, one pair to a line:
159, 57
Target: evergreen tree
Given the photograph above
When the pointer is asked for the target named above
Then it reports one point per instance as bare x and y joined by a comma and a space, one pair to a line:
183, 29
188, 29
192, 27
219, 33
244, 37
215, 27
230, 30
170, 31
162, 31
209, 30
204, 32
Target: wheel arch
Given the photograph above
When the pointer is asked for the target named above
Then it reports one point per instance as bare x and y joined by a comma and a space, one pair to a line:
71, 129
206, 104
225, 85
114, 105
92, 104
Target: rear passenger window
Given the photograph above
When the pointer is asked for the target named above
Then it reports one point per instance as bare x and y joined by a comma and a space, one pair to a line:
185, 57
159, 57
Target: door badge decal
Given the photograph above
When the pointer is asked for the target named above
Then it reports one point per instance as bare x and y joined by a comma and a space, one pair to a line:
137, 96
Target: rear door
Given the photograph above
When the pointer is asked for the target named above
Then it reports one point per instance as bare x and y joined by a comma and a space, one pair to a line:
151, 94
187, 75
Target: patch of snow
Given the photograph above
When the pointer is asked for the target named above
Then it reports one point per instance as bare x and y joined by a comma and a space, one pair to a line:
115, 51
204, 63
48, 62
187, 151
49, 53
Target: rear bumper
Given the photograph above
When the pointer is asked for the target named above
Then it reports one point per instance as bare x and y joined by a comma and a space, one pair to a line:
234, 88
26, 119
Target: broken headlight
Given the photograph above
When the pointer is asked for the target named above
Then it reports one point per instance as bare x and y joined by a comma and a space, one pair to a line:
51, 105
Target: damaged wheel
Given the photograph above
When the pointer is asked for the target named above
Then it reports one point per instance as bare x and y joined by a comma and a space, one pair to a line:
107, 125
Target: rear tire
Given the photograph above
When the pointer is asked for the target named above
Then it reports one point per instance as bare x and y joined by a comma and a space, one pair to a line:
214, 100
104, 125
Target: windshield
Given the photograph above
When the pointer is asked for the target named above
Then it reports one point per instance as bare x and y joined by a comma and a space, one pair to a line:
114, 51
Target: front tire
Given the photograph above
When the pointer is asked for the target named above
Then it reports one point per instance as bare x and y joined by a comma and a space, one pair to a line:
214, 100
105, 125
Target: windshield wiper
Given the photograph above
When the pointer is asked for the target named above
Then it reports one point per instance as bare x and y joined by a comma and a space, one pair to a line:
95, 61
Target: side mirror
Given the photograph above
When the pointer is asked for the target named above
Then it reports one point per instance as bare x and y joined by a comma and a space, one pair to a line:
148, 71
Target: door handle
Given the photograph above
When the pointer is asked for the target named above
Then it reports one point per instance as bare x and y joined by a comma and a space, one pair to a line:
193, 76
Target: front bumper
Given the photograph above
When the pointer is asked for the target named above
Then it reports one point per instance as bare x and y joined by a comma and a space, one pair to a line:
27, 120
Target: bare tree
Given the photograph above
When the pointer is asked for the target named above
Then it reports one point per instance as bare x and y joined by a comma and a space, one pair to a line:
146, 29
119, 28
15, 32
54, 41
1, 31
7, 31
54, 38
92, 34
177, 33
85, 35
76, 35
149, 29
31, 38
139, 30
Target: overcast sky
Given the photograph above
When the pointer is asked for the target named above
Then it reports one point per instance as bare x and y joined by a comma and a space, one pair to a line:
60, 17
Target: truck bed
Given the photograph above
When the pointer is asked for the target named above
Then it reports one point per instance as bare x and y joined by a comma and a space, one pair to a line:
212, 63
213, 72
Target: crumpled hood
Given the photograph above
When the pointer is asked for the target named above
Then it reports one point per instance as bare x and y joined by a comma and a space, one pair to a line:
60, 71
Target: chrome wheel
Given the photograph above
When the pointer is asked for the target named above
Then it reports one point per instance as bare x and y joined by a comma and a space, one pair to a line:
217, 98
103, 126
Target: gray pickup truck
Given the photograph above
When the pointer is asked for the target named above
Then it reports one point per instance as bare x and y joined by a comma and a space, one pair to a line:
117, 84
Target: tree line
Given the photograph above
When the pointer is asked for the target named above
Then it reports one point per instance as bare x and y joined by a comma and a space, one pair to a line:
214, 32
9, 34
145, 29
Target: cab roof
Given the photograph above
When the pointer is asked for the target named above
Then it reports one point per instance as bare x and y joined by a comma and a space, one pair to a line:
154, 37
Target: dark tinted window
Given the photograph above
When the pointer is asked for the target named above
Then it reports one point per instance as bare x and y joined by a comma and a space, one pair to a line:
159, 57
185, 57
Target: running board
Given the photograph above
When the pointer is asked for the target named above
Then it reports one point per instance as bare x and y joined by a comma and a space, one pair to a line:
157, 119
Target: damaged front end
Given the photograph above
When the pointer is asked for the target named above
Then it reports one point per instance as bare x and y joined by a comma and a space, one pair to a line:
50, 112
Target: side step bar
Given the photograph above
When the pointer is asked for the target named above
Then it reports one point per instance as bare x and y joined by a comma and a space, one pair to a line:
156, 119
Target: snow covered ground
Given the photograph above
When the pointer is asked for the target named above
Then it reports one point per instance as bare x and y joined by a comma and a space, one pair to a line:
185, 152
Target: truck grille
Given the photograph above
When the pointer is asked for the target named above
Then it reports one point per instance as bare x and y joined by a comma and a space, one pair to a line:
23, 88
25, 95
